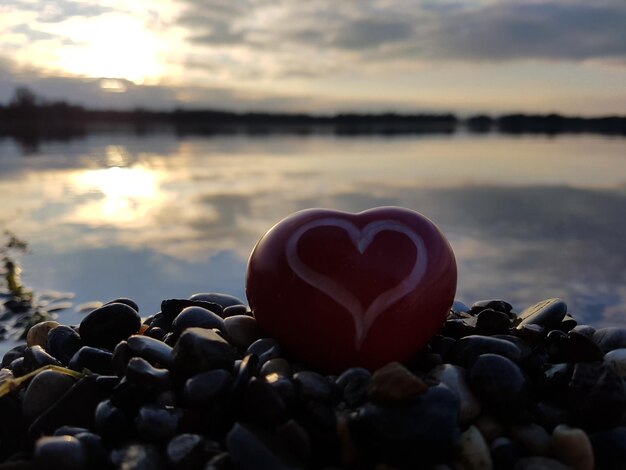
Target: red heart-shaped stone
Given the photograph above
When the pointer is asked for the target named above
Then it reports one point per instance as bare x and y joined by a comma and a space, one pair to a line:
340, 290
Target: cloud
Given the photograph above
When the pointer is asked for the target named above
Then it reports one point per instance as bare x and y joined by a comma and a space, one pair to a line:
362, 32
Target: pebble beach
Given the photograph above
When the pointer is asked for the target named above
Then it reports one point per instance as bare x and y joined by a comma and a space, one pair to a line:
199, 385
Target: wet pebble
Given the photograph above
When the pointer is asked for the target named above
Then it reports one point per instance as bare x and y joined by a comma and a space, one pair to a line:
63, 342
455, 378
57, 452
265, 349
467, 349
394, 383
499, 382
93, 359
152, 350
108, 325
242, 330
198, 350
547, 313
196, 317
44, 390
572, 447
278, 366
187, 451
157, 424
616, 361
475, 453
313, 386
610, 338
223, 300
38, 334
353, 385
492, 322
205, 388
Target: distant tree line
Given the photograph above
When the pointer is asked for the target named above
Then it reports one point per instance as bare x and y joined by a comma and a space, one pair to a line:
28, 116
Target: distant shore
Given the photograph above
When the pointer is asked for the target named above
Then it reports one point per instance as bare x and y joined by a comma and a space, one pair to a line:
29, 118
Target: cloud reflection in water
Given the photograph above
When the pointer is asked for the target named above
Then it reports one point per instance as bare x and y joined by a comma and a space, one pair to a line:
528, 218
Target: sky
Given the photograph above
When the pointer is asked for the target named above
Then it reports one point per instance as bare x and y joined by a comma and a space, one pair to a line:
465, 56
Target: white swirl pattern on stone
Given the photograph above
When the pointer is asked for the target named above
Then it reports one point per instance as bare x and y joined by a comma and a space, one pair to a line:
363, 317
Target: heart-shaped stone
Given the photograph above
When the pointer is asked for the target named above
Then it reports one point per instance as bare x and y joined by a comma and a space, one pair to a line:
340, 290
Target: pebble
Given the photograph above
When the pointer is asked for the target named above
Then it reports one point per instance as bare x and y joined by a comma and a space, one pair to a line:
499, 382
63, 342
57, 452
487, 392
313, 386
124, 300
467, 349
38, 334
609, 448
198, 350
616, 361
596, 395
242, 330
223, 300
93, 359
251, 449
548, 313
205, 388
475, 453
157, 424
43, 391
196, 317
108, 325
455, 378
394, 383
534, 438
152, 350
492, 322
353, 384
422, 431
265, 349
278, 366
572, 447
610, 338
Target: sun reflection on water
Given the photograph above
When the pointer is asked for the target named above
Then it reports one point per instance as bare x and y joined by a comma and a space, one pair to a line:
125, 196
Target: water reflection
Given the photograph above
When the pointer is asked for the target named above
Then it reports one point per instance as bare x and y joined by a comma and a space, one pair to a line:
159, 217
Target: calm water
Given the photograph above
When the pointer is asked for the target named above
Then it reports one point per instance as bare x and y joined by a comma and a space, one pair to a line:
157, 217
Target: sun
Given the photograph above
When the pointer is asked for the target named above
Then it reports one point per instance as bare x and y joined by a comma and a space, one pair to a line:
115, 46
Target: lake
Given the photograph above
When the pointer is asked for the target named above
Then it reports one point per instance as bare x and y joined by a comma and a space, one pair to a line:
159, 216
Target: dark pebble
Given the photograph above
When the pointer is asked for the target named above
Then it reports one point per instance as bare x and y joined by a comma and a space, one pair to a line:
596, 395
157, 424
499, 383
152, 350
57, 452
121, 355
492, 322
108, 325
353, 384
609, 448
198, 317
265, 349
97, 456
285, 388
394, 383
242, 330
251, 448
548, 313
278, 366
172, 307
94, 359
610, 338
223, 300
187, 451
12, 354
62, 343
43, 391
138, 457
313, 386
112, 423
123, 300
466, 350
233, 310
497, 305
295, 438
263, 404
36, 357
198, 350
423, 431
204, 389
69, 431
145, 376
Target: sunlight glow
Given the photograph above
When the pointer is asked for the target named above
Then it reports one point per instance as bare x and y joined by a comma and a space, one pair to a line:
113, 45
127, 195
